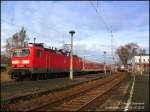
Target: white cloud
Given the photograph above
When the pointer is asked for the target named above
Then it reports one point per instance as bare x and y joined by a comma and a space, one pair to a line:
51, 21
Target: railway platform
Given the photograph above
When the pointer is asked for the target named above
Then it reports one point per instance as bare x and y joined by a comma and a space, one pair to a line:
133, 95
140, 97
17, 90
90, 93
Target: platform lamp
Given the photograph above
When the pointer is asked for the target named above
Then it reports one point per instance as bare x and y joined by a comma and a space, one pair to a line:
71, 60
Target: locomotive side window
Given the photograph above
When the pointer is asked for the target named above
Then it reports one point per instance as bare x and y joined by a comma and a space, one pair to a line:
39, 53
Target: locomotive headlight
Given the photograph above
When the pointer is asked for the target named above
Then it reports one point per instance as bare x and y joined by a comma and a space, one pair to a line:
25, 61
15, 62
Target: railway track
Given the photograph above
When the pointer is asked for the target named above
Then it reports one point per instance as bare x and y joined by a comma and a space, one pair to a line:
44, 84
85, 99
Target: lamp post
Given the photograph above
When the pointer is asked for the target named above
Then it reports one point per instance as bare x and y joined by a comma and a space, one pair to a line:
71, 60
104, 62
113, 58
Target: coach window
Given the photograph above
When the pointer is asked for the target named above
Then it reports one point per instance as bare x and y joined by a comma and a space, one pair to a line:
39, 53
139, 60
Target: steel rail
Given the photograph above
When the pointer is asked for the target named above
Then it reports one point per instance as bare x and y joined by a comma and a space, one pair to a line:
50, 104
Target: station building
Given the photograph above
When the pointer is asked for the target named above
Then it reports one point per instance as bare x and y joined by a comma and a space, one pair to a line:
141, 62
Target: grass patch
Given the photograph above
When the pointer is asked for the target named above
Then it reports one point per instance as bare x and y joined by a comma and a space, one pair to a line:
5, 77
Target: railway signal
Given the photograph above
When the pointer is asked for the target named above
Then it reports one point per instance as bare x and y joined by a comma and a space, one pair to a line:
71, 53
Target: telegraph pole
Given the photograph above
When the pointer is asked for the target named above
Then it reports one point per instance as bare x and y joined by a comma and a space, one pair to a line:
71, 60
104, 62
113, 59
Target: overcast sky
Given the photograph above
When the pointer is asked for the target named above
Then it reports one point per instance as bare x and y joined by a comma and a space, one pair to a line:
50, 22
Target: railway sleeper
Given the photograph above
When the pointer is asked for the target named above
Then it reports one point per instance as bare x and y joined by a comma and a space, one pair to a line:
57, 103
81, 101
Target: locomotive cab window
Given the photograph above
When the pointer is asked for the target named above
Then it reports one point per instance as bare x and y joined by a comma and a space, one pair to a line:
21, 52
39, 53
25, 52
16, 53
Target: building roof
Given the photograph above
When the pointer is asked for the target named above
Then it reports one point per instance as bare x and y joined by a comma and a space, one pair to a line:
142, 55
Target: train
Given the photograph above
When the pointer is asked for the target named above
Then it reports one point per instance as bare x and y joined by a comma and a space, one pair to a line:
36, 61
121, 68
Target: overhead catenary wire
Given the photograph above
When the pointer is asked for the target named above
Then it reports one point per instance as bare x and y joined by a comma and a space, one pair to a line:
16, 25
97, 4
100, 17
13, 18
108, 29
31, 31
104, 16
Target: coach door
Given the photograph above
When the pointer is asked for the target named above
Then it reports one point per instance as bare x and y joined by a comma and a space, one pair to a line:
47, 64
38, 62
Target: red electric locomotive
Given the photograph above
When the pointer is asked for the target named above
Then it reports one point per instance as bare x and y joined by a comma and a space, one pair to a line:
35, 61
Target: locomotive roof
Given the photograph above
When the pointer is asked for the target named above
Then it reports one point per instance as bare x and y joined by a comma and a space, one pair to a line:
51, 49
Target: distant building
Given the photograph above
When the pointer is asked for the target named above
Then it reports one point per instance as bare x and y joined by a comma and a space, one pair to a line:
140, 61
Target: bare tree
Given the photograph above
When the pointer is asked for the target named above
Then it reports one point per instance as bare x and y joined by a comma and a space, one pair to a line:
8, 47
127, 52
66, 47
123, 54
21, 37
17, 40
131, 49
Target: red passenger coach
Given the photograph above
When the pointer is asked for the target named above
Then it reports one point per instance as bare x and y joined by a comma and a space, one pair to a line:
35, 61
92, 66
